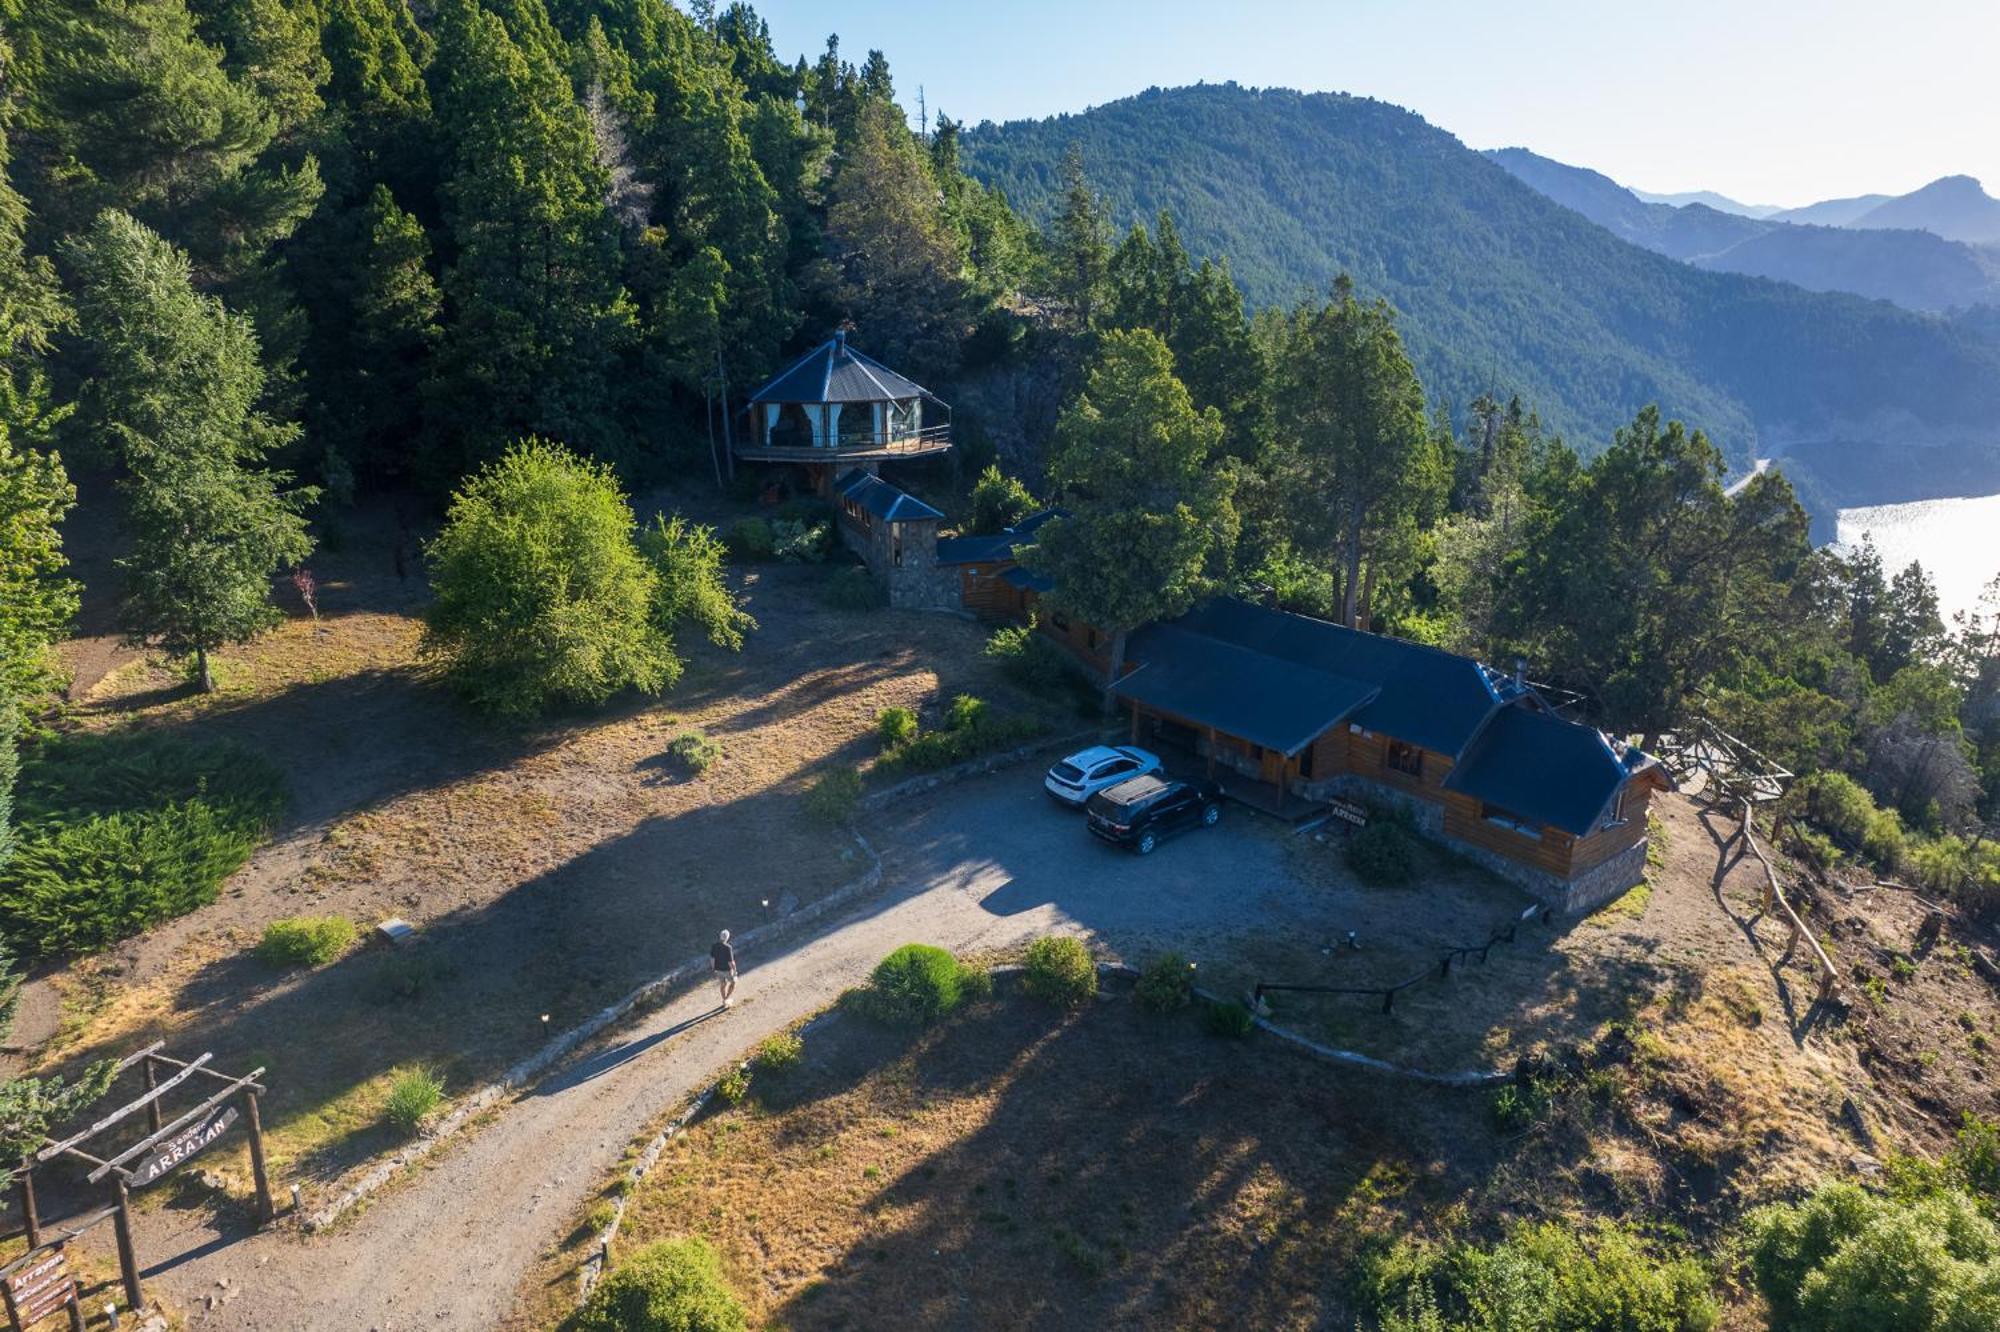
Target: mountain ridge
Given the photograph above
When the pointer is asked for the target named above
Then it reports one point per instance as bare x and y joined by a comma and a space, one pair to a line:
1501, 289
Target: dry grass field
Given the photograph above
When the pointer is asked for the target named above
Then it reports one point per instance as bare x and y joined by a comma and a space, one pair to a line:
547, 871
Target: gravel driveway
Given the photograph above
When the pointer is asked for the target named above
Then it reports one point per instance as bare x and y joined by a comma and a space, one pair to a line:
987, 863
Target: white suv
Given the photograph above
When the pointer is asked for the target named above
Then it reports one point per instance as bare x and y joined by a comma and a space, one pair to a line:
1081, 776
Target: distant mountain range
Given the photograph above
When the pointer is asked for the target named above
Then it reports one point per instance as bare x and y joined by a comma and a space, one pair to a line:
1721, 203
1915, 266
1502, 289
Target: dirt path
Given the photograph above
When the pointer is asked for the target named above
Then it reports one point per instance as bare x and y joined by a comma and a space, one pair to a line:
447, 1248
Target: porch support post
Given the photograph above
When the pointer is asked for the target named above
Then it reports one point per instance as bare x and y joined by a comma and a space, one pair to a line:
1211, 751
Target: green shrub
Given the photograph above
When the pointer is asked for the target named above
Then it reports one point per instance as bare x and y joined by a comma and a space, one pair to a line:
1060, 972
750, 539
1030, 660
1849, 1259
406, 975
832, 798
895, 727
997, 502
852, 589
1522, 1104
1841, 807
669, 1286
118, 832
305, 941
734, 1085
1955, 868
971, 729
974, 983
797, 542
914, 986
413, 1097
781, 1052
1544, 1277
694, 751
1166, 985
1230, 1019
1382, 853
541, 596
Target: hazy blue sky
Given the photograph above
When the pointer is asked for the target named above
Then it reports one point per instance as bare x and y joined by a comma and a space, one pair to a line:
1771, 101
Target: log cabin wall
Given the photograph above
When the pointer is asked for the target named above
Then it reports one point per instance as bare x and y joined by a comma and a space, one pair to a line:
982, 591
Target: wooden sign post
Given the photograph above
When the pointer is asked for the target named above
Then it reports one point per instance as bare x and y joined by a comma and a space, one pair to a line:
162, 1149
40, 1286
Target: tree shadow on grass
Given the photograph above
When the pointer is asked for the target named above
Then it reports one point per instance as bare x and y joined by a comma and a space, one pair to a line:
1130, 1171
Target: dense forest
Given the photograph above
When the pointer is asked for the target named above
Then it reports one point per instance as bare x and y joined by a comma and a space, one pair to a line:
1505, 292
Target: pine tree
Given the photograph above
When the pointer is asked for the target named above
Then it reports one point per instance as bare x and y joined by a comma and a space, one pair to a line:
176, 385
1149, 524
1079, 247
1358, 456
899, 264
539, 320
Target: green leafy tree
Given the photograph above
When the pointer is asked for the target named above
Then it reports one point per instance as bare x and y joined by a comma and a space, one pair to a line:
689, 559
1149, 522
998, 502
176, 389
37, 601
899, 264
539, 318
543, 596
31, 1107
1354, 450
1646, 582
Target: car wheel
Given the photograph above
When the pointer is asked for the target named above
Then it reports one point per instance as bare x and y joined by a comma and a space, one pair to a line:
1144, 846
1211, 816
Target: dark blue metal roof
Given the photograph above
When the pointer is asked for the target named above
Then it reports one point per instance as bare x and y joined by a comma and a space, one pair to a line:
1027, 579
1426, 696
993, 546
1236, 690
835, 372
882, 499
1542, 768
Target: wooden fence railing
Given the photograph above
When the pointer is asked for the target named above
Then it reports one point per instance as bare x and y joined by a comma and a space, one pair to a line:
1775, 904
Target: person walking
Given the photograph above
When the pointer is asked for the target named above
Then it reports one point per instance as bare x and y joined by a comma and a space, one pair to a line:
724, 958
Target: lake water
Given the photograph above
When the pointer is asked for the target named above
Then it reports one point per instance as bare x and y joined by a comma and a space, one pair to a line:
1956, 540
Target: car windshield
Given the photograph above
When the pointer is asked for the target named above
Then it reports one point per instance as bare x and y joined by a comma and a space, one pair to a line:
1069, 772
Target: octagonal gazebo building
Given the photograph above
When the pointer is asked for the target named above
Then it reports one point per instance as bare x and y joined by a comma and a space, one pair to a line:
835, 409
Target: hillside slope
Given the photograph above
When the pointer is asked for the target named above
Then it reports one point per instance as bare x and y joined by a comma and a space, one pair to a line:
1918, 270
1954, 207
1503, 289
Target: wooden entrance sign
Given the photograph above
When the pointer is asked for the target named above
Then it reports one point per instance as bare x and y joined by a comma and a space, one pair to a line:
41, 1287
1347, 812
161, 1149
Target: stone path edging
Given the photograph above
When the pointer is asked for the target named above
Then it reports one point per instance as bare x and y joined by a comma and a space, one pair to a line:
543, 1059
978, 767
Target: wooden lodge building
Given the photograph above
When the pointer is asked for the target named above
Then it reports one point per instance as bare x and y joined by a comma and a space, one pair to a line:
1298, 711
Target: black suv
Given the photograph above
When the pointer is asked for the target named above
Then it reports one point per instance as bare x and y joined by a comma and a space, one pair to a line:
1140, 812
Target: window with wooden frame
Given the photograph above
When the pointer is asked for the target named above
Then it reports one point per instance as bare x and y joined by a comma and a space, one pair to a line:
1403, 758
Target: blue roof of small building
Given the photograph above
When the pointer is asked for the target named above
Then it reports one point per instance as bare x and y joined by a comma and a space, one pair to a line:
835, 372
991, 547
1027, 579
1426, 696
1543, 768
882, 499
1237, 690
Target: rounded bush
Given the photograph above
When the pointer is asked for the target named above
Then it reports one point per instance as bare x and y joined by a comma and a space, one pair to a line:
895, 727
1382, 853
694, 751
734, 1085
915, 985
852, 589
670, 1286
1166, 985
1060, 972
749, 539
832, 798
413, 1097
305, 941
780, 1052
1231, 1019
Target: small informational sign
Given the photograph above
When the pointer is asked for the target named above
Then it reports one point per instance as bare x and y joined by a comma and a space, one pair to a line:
1347, 812
43, 1287
187, 1143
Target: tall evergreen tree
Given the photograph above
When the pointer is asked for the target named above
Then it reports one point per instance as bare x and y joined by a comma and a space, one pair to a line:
176, 385
1079, 244
1148, 522
900, 268
1359, 460
538, 320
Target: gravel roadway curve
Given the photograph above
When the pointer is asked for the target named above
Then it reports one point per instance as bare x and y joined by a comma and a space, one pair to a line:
984, 864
